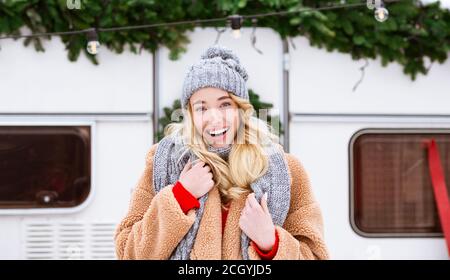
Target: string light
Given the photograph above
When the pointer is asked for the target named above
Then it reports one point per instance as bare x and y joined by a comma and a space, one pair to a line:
236, 24
381, 13
93, 44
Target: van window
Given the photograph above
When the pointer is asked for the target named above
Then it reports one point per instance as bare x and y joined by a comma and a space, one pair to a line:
44, 166
391, 190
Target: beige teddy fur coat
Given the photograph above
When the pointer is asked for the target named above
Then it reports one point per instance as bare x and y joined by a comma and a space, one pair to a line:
155, 224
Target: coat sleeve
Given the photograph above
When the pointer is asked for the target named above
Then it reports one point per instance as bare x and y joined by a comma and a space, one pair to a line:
301, 237
154, 224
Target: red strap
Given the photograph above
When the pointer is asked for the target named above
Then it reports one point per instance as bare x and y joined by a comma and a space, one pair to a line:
440, 189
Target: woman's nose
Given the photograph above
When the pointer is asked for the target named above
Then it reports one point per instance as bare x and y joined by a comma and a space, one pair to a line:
215, 116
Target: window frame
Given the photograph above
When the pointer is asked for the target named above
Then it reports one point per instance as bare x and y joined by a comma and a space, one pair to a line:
92, 191
352, 141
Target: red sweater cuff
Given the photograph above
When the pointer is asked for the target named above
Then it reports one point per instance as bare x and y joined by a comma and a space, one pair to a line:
186, 200
270, 254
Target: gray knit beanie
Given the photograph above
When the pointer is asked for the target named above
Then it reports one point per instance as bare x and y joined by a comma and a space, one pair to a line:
219, 67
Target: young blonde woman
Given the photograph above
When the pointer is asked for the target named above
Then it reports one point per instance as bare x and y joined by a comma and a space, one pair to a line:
218, 186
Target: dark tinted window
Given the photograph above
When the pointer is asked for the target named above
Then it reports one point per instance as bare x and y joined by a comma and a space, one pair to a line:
392, 190
44, 166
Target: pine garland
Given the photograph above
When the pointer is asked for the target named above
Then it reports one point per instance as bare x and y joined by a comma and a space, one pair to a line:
413, 34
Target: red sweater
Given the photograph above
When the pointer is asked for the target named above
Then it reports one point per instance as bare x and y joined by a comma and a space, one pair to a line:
187, 201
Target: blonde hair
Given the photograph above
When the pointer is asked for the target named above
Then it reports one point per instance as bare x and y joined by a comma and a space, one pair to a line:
247, 160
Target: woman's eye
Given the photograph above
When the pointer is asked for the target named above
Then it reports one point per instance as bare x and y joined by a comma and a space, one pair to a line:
199, 109
226, 104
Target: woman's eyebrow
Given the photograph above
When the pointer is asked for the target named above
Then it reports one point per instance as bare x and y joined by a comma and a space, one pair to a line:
198, 101
223, 97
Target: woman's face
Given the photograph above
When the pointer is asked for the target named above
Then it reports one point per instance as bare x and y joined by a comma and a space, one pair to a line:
215, 116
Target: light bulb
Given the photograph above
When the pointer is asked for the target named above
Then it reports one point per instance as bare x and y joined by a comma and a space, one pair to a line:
92, 47
381, 14
236, 24
236, 33
93, 44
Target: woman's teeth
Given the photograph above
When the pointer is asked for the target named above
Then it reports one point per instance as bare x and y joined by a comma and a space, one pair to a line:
218, 132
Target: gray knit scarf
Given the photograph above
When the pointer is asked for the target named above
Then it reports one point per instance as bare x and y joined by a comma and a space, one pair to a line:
172, 154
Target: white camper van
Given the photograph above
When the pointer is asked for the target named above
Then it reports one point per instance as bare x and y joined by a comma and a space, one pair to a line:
73, 139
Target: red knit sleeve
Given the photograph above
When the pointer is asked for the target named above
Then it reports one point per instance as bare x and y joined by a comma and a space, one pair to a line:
186, 200
270, 254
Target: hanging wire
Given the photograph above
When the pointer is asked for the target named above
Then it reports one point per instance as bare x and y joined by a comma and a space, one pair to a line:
308, 9
198, 21
253, 36
427, 70
219, 33
363, 73
291, 41
112, 29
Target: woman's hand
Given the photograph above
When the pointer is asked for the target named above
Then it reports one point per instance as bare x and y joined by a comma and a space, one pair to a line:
256, 222
197, 179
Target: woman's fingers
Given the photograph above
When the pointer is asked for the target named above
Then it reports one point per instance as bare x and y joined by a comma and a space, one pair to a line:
252, 201
245, 211
207, 168
187, 166
247, 203
264, 203
199, 163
